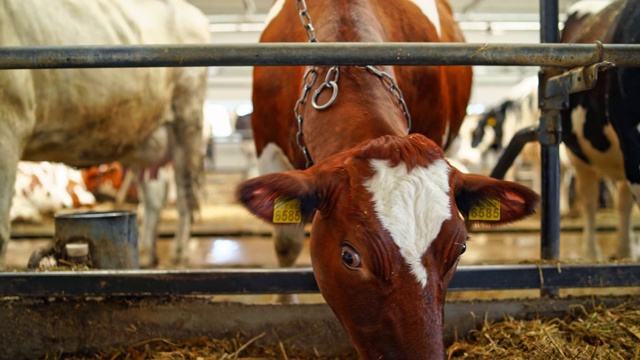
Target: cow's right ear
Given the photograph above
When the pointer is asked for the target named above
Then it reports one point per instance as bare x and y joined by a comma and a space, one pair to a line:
281, 198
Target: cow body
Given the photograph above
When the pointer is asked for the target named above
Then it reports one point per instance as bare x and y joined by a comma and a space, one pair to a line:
436, 96
601, 128
85, 117
388, 210
436, 114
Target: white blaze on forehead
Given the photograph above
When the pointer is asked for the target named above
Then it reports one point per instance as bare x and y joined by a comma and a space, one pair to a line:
411, 206
430, 10
274, 11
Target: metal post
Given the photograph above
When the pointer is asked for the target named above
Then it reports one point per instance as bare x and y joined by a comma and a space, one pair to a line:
550, 137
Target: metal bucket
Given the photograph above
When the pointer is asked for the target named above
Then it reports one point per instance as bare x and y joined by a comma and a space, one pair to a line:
110, 236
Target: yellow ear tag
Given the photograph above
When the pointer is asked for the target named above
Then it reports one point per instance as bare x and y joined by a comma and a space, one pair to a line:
286, 211
488, 210
492, 121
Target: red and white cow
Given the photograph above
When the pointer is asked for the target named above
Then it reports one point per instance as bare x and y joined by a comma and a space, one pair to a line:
390, 211
46, 188
86, 117
602, 127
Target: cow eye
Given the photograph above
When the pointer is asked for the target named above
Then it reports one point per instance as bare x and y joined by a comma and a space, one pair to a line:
350, 257
464, 248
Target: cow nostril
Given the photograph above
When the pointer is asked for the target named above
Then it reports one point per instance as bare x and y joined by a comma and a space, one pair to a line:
350, 257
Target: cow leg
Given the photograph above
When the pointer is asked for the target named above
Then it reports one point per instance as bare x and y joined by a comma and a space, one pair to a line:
186, 205
625, 230
635, 244
188, 154
152, 195
8, 168
121, 193
566, 176
587, 190
288, 241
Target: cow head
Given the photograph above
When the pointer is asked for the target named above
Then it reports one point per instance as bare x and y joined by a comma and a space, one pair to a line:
390, 225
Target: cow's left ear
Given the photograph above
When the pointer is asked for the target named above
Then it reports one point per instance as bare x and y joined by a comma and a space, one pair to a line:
485, 200
280, 198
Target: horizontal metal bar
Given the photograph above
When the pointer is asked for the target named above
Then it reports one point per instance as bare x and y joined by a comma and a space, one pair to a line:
157, 282
271, 54
508, 277
260, 281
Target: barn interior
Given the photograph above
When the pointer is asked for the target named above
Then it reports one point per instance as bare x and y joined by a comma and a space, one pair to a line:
227, 236
231, 158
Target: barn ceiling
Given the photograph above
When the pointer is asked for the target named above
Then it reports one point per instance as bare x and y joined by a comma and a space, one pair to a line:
237, 7
483, 21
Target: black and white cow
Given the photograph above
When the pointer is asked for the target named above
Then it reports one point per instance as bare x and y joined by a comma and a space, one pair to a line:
491, 133
602, 127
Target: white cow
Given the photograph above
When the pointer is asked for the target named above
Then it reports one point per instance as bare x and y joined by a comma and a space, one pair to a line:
85, 117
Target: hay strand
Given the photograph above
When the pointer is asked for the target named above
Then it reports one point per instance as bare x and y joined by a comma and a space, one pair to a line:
601, 333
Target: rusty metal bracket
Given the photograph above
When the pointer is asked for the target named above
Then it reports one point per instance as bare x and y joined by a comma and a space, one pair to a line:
573, 81
554, 95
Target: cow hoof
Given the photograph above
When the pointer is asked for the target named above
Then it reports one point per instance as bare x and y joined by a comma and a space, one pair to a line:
179, 260
286, 299
148, 263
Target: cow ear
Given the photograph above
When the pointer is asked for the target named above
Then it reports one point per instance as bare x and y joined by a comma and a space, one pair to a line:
489, 201
280, 198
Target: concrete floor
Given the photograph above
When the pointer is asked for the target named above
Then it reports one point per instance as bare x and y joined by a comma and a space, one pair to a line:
257, 251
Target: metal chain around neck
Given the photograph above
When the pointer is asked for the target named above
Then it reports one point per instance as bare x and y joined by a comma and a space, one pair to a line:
308, 80
331, 82
395, 91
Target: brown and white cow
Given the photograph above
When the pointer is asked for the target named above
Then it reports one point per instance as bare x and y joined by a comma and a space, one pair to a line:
601, 129
85, 117
390, 212
46, 188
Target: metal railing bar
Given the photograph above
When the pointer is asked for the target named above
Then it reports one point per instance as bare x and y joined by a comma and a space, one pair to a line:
298, 280
278, 54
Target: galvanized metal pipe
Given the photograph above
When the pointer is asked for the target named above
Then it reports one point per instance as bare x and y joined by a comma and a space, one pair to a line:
550, 137
275, 54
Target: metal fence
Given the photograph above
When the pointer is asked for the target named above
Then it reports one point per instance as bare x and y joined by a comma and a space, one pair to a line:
278, 54
549, 278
